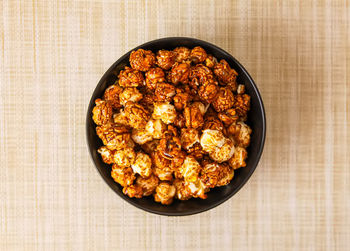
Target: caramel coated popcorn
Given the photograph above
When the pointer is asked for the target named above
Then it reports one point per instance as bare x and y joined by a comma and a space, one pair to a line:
173, 125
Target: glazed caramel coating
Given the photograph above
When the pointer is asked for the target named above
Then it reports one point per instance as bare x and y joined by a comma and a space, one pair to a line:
164, 92
193, 117
228, 117
238, 158
223, 100
173, 124
165, 59
154, 76
106, 155
164, 193
208, 92
130, 77
137, 114
102, 112
148, 184
182, 54
123, 176
224, 72
189, 137
113, 136
131, 94
142, 60
179, 73
112, 96
198, 55
242, 105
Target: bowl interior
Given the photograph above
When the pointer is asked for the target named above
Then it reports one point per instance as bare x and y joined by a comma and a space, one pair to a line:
256, 119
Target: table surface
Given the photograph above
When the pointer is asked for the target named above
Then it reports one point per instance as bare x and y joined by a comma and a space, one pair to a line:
53, 53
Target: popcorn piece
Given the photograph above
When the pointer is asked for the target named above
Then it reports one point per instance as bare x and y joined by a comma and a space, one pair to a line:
212, 139
130, 94
182, 190
211, 61
241, 133
154, 76
130, 77
137, 114
106, 154
123, 176
226, 175
224, 152
208, 92
120, 118
161, 166
179, 73
112, 95
142, 60
228, 117
189, 137
190, 169
181, 100
113, 136
182, 54
202, 74
238, 159
140, 136
214, 174
142, 165
196, 151
242, 105
164, 92
198, 55
150, 146
133, 191
226, 74
102, 112
193, 116
164, 111
124, 157
198, 189
148, 185
165, 59
155, 128
240, 89
165, 193
223, 100
211, 122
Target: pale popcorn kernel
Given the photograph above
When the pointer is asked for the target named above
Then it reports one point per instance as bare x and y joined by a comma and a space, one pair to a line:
240, 89
223, 153
198, 189
164, 111
142, 165
106, 154
238, 159
165, 193
124, 157
190, 169
140, 136
212, 139
156, 128
120, 118
130, 94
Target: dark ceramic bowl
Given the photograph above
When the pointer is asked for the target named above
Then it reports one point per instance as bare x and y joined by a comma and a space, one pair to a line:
216, 196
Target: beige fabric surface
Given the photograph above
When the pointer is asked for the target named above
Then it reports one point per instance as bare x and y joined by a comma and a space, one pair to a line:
53, 53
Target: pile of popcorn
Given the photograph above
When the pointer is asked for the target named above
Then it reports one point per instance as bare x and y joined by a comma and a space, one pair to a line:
173, 124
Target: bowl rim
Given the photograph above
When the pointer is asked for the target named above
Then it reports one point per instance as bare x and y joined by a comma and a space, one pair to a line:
255, 163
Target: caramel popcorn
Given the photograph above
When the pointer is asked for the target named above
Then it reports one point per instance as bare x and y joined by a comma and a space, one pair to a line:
123, 176
165, 59
106, 154
142, 165
223, 100
124, 157
113, 136
198, 55
153, 77
148, 184
225, 73
112, 95
102, 112
130, 78
164, 92
165, 112
172, 125
238, 158
182, 54
137, 114
142, 60
179, 73
165, 193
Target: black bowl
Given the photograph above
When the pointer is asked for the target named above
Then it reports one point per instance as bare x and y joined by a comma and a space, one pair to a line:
216, 196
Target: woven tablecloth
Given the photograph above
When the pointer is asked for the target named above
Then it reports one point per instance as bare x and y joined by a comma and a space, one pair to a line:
53, 53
